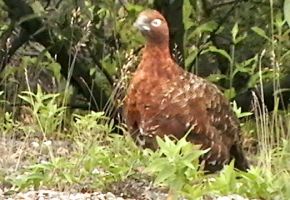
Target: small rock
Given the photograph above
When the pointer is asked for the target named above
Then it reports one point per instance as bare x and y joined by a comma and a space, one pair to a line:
231, 197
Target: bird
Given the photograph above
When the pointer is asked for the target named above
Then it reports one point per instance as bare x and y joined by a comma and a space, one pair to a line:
163, 99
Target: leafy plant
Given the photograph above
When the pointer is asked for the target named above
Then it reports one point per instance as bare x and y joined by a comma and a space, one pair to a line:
176, 164
225, 183
56, 172
287, 11
44, 109
92, 123
238, 111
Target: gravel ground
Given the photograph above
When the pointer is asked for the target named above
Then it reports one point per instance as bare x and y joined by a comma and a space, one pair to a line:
54, 195
15, 153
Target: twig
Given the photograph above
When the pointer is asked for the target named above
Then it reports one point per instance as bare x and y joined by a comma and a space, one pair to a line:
15, 44
213, 33
123, 5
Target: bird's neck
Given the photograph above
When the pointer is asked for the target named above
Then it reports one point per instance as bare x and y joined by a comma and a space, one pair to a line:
157, 53
157, 49
157, 61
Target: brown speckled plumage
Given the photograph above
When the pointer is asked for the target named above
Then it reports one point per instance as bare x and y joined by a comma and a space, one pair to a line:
163, 99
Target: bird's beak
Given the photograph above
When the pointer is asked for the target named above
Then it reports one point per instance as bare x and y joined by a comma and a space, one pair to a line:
142, 23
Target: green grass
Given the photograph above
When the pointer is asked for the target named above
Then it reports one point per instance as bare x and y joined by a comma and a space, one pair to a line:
90, 156
47, 145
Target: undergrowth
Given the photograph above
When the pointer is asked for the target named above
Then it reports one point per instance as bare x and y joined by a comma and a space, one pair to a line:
91, 157
50, 146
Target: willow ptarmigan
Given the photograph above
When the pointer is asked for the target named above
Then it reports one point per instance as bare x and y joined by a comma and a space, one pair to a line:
163, 99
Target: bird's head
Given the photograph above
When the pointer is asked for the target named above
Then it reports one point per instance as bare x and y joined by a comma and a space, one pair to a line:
153, 26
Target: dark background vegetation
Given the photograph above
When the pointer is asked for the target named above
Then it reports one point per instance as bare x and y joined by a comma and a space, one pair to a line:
87, 43
64, 70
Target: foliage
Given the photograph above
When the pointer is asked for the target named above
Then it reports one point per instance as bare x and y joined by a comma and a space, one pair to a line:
179, 170
94, 162
45, 110
238, 111
287, 11
240, 52
99, 158
176, 164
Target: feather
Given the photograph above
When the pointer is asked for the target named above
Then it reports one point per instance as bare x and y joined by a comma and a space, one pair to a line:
163, 99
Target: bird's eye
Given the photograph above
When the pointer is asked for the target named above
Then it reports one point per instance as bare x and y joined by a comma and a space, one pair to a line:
156, 22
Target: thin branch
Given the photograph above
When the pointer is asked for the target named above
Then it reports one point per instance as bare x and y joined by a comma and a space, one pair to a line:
15, 44
221, 5
252, 2
100, 66
123, 4
4, 46
34, 27
213, 33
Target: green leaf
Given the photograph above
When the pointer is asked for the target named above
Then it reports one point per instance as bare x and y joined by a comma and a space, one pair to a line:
25, 98
236, 39
230, 93
164, 175
187, 11
37, 7
68, 177
216, 77
238, 111
158, 164
206, 27
260, 32
287, 11
222, 52
134, 7
190, 58
235, 31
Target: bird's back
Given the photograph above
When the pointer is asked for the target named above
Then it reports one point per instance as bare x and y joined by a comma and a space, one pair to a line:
159, 104
163, 99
